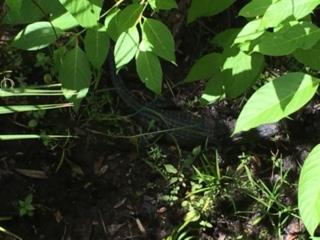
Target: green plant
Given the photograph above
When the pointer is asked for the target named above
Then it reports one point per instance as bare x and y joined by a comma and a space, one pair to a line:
273, 29
269, 196
26, 207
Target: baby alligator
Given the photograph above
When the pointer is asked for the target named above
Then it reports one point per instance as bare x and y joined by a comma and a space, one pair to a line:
184, 127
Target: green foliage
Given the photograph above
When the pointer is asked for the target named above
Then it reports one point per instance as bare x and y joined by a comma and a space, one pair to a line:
149, 70
204, 8
159, 37
276, 100
36, 36
96, 44
25, 206
126, 47
309, 191
273, 28
75, 74
86, 12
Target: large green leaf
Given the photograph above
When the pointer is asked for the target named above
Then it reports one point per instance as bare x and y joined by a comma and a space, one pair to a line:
277, 99
309, 191
75, 75
96, 43
289, 38
64, 21
36, 36
128, 17
110, 23
213, 90
205, 67
309, 57
29, 11
160, 37
226, 38
126, 47
255, 8
87, 12
205, 8
149, 70
290, 9
240, 71
250, 31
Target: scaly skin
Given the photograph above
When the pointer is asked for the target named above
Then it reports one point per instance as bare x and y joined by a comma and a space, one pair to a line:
186, 128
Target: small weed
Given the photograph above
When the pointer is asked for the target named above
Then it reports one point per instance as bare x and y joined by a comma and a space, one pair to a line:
25, 206
269, 195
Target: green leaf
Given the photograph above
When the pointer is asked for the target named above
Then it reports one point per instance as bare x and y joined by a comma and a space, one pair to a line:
226, 38
65, 21
162, 4
128, 17
87, 12
160, 37
170, 169
75, 75
277, 99
111, 13
290, 9
240, 71
309, 191
36, 36
289, 38
149, 70
309, 57
250, 31
26, 11
110, 23
255, 8
96, 43
205, 8
213, 90
126, 47
205, 67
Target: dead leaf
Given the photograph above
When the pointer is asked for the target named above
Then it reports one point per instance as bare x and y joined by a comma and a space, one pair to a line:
32, 173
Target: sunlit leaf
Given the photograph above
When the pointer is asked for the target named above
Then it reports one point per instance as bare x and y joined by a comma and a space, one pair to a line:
290, 9
289, 38
87, 12
65, 21
309, 191
128, 17
36, 36
240, 71
277, 99
160, 37
126, 47
149, 70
